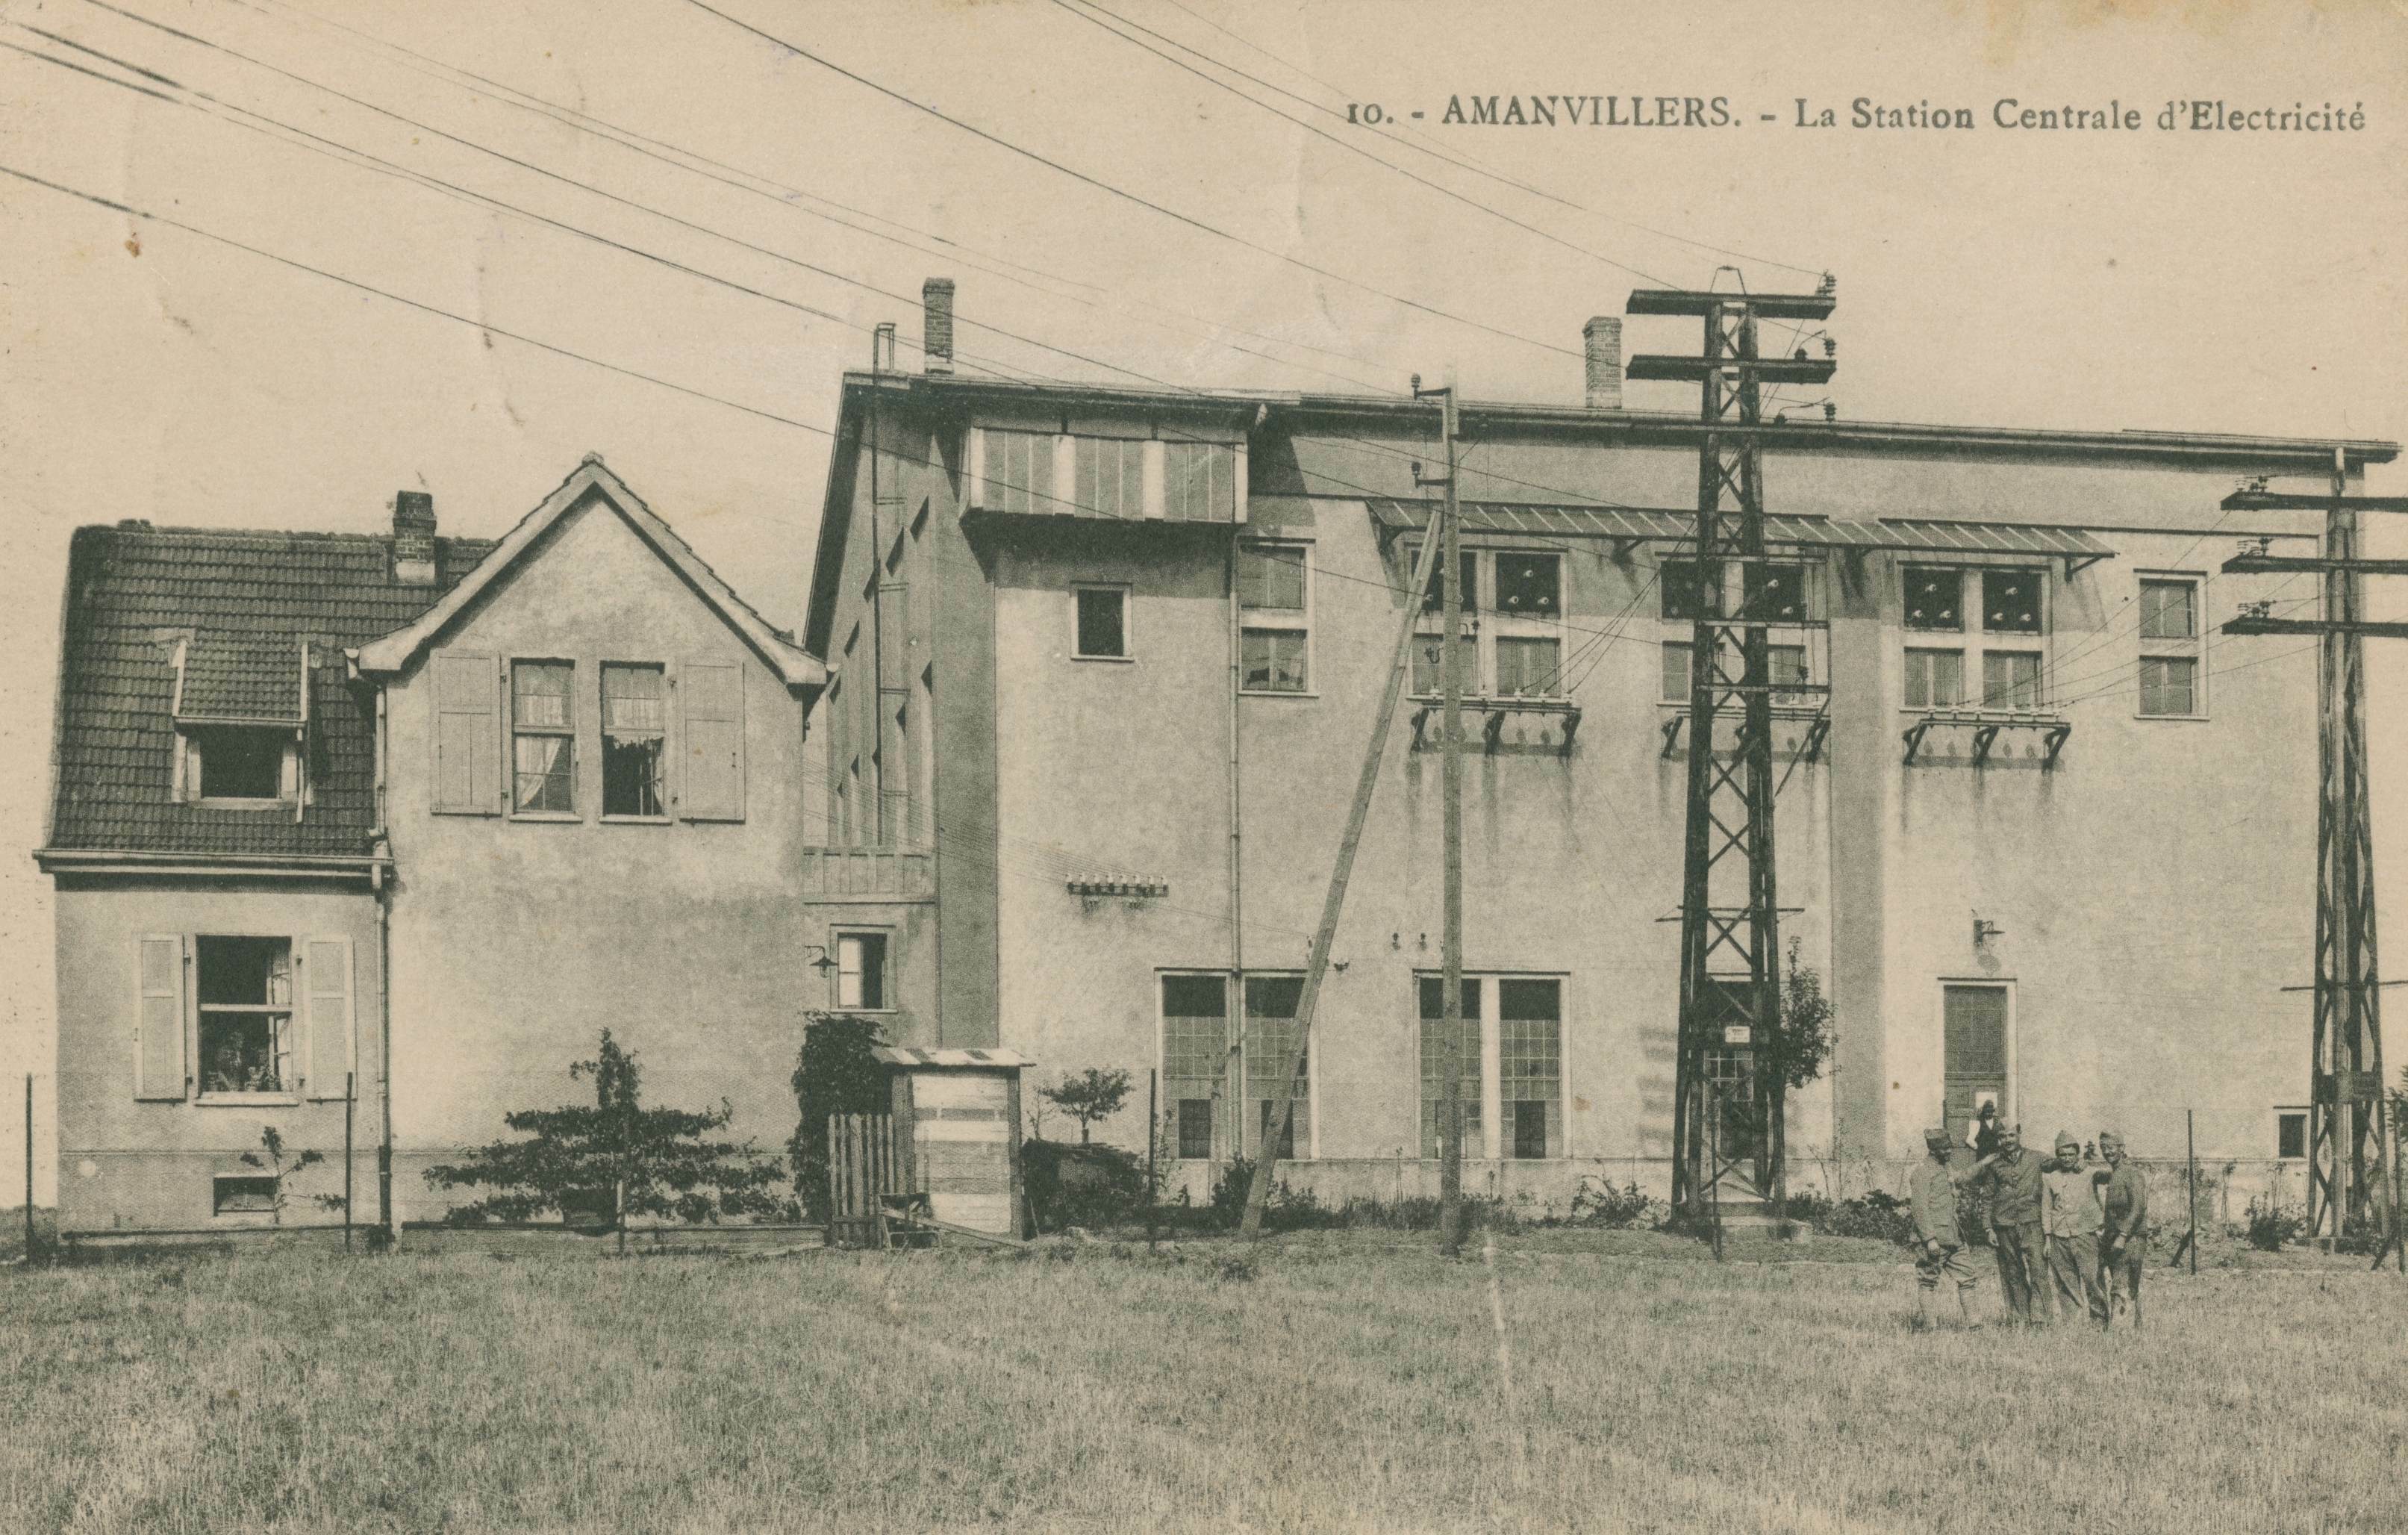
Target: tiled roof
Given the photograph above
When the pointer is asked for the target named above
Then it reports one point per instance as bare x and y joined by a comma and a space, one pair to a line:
243, 603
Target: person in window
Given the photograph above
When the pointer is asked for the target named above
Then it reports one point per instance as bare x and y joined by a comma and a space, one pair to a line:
2012, 1177
2073, 1214
1934, 1194
1982, 1134
2124, 1252
230, 1073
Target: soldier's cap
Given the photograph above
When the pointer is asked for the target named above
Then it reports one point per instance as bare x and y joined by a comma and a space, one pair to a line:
2106, 1136
2065, 1139
1935, 1138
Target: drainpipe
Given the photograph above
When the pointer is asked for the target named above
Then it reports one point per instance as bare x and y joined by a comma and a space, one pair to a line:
383, 886
1237, 872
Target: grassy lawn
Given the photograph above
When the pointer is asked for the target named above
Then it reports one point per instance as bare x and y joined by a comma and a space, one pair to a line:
1354, 1382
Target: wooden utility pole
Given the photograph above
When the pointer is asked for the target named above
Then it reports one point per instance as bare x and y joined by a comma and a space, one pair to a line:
1450, 948
2352, 1153
1282, 1109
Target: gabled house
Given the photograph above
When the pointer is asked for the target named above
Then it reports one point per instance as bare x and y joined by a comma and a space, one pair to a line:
392, 825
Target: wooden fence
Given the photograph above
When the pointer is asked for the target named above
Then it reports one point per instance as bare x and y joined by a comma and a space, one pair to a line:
863, 1163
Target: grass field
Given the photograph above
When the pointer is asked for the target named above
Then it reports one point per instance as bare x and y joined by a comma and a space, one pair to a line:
1356, 1381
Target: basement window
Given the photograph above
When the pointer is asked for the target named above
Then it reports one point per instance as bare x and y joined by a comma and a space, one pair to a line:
243, 1195
245, 988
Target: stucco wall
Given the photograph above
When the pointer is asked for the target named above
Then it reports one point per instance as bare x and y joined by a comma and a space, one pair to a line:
124, 1162
515, 943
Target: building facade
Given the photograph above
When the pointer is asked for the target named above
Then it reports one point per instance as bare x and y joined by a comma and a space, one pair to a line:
2048, 838
367, 838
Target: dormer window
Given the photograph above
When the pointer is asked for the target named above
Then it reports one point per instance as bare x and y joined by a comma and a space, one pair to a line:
241, 713
241, 762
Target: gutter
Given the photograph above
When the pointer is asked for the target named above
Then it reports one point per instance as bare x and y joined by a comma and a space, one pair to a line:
369, 869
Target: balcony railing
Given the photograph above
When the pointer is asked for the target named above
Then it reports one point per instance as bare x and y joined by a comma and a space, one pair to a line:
853, 874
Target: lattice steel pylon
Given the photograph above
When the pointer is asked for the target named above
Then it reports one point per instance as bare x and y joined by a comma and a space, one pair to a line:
1730, 914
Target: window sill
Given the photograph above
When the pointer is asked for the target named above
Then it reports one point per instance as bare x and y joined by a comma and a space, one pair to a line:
2178, 719
1269, 692
245, 1100
550, 817
1121, 660
228, 803
609, 820
865, 1012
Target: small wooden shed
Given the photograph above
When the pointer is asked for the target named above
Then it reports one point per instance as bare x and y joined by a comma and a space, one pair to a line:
957, 1117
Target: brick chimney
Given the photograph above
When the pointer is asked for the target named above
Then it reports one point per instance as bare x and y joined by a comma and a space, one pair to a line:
1602, 343
414, 538
937, 324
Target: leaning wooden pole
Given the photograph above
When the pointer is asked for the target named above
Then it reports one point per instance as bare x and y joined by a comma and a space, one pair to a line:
1450, 691
1282, 1113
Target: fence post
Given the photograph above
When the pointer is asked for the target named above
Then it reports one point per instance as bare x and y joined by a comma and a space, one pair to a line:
2190, 1155
349, 1099
1152, 1138
29, 1168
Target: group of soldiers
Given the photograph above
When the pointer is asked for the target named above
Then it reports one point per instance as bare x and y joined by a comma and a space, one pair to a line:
2063, 1223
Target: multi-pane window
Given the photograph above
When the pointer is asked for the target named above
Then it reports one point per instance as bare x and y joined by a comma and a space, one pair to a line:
1517, 651
1468, 1074
1776, 594
1110, 477
1680, 591
543, 741
1102, 620
860, 971
1935, 679
2169, 645
635, 736
2004, 651
245, 996
1195, 1045
1271, 1036
1676, 671
1018, 472
1274, 601
1530, 1067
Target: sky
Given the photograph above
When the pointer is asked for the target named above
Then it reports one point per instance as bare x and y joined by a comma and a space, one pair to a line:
2204, 280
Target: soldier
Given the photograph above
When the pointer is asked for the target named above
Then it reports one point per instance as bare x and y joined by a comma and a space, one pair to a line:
2012, 1177
2124, 1250
2073, 1218
1934, 1192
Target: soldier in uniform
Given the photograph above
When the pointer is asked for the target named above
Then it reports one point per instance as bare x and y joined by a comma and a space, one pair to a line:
1943, 1253
2124, 1250
2073, 1218
2012, 1177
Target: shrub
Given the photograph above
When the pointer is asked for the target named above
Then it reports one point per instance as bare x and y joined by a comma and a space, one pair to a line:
1597, 1202
1876, 1214
2270, 1226
834, 1074
1074, 1184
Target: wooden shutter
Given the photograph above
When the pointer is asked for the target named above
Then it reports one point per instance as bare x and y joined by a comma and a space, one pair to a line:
710, 699
159, 1018
329, 1015
467, 734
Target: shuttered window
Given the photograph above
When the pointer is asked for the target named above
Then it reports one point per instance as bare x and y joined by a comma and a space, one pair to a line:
467, 749
1110, 477
1200, 482
1018, 472
635, 736
711, 717
159, 1069
244, 990
543, 738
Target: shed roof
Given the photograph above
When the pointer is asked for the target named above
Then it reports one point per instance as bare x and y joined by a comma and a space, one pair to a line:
916, 1057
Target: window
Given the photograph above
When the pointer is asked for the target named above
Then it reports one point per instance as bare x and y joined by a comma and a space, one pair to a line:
1018, 472
2291, 1134
1788, 664
245, 987
1102, 622
1274, 602
1776, 594
1531, 1065
1110, 478
2006, 652
543, 741
241, 762
635, 726
1676, 671
1271, 1036
244, 1196
1934, 598
860, 971
1432, 990
2170, 646
1934, 678
1200, 482
1518, 651
2011, 679
1195, 1046
1196, 1129
1680, 591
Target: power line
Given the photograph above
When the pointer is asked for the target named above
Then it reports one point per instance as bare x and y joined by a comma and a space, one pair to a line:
1126, 195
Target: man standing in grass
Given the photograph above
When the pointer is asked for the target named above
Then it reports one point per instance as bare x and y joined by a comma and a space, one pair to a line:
2012, 1176
1934, 1192
2124, 1251
2073, 1219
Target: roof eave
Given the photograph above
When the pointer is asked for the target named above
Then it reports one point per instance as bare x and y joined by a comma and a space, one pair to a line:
129, 863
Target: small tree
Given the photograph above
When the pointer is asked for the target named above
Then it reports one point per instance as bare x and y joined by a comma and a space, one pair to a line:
646, 1161
1791, 1052
835, 1074
279, 1167
1090, 1097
